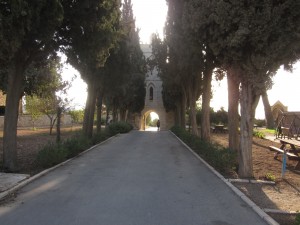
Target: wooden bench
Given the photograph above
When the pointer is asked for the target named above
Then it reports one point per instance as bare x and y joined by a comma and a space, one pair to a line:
290, 155
219, 129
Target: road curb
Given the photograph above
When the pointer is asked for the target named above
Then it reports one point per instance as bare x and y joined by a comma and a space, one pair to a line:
240, 194
44, 172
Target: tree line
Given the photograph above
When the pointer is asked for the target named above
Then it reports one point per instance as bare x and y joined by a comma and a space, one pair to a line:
99, 39
244, 41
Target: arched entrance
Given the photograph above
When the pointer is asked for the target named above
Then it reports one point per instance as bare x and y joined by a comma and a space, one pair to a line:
150, 121
153, 99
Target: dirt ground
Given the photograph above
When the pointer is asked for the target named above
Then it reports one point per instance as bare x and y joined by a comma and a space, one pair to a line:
30, 142
285, 194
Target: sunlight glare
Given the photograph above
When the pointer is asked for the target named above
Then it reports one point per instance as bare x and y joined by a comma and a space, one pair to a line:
150, 17
154, 116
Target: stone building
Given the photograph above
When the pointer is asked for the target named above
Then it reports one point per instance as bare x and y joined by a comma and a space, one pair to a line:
153, 99
277, 109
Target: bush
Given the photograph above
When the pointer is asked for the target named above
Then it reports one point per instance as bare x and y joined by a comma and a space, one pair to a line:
76, 144
51, 155
260, 122
297, 220
222, 159
259, 134
54, 153
119, 127
270, 177
77, 116
98, 138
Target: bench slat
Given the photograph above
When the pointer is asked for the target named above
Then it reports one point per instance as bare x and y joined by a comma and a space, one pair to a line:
273, 148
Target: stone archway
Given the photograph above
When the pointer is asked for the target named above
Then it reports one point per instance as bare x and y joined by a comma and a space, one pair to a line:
144, 118
153, 99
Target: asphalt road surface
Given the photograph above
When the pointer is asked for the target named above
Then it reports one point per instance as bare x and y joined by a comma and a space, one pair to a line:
140, 178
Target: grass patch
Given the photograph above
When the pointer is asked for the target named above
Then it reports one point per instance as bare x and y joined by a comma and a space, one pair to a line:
222, 159
259, 134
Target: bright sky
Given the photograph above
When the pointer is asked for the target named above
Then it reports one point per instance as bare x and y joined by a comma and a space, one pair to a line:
285, 89
150, 18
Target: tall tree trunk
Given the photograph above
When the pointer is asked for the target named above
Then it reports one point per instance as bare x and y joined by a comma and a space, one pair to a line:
107, 116
183, 109
249, 102
99, 110
123, 113
205, 117
89, 110
58, 124
178, 113
13, 95
52, 123
193, 120
233, 108
268, 112
115, 112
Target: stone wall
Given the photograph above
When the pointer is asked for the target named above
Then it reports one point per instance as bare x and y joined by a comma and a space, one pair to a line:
42, 121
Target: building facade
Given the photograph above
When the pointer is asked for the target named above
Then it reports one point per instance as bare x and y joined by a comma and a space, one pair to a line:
153, 99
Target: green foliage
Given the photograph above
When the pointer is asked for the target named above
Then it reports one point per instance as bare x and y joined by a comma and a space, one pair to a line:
76, 144
119, 127
270, 131
27, 35
51, 155
77, 115
258, 134
260, 123
124, 71
297, 219
222, 159
88, 31
218, 117
33, 104
54, 153
270, 177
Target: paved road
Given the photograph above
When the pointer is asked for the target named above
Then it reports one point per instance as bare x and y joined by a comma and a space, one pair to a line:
140, 178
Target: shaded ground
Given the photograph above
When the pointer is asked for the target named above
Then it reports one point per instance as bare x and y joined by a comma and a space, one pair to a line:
285, 195
30, 143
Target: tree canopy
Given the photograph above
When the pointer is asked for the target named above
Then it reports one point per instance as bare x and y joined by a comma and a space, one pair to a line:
250, 40
27, 34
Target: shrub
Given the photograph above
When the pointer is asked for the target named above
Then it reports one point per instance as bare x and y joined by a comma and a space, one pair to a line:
260, 122
77, 115
222, 159
119, 127
51, 155
100, 137
270, 177
297, 220
76, 144
54, 153
259, 134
